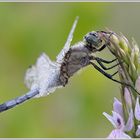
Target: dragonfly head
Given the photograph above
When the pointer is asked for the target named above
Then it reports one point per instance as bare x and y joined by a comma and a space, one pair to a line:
93, 39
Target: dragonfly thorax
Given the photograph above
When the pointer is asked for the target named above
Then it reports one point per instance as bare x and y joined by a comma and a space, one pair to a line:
76, 58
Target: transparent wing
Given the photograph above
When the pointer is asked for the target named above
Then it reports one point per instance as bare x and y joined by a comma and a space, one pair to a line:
43, 76
61, 55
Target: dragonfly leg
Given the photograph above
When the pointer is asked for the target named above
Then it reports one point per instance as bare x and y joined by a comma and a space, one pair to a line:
107, 74
111, 76
105, 61
107, 42
102, 48
99, 61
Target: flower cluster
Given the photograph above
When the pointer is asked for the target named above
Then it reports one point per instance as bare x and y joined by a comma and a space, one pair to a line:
122, 127
126, 113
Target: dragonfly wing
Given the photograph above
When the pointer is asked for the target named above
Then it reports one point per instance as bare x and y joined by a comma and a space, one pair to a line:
61, 55
44, 76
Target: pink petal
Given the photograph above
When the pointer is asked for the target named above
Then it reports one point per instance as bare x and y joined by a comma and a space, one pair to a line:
137, 84
137, 109
117, 107
138, 131
118, 120
127, 97
130, 123
118, 134
110, 118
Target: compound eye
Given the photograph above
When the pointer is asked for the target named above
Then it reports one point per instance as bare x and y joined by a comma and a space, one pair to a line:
93, 34
93, 39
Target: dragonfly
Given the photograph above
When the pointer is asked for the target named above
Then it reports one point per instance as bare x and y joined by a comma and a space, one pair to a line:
46, 75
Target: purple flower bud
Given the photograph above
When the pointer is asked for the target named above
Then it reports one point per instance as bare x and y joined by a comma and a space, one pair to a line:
138, 131
137, 84
118, 134
116, 120
127, 97
117, 107
110, 118
137, 109
130, 123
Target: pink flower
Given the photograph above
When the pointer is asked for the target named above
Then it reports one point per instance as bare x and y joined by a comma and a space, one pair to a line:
118, 134
117, 120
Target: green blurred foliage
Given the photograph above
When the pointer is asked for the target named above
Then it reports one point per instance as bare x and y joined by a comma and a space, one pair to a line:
26, 30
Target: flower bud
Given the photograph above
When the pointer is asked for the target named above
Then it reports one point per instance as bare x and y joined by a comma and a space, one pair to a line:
135, 46
123, 44
118, 134
136, 60
115, 39
130, 122
117, 107
138, 131
132, 69
137, 84
137, 109
136, 53
123, 56
127, 97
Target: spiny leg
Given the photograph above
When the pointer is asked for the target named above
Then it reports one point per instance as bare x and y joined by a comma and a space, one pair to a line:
106, 61
105, 73
102, 48
114, 73
111, 76
103, 66
100, 60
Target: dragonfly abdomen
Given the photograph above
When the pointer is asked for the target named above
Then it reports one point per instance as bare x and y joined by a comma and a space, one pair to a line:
12, 103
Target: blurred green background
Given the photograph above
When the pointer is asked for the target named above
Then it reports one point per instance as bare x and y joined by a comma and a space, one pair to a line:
26, 30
